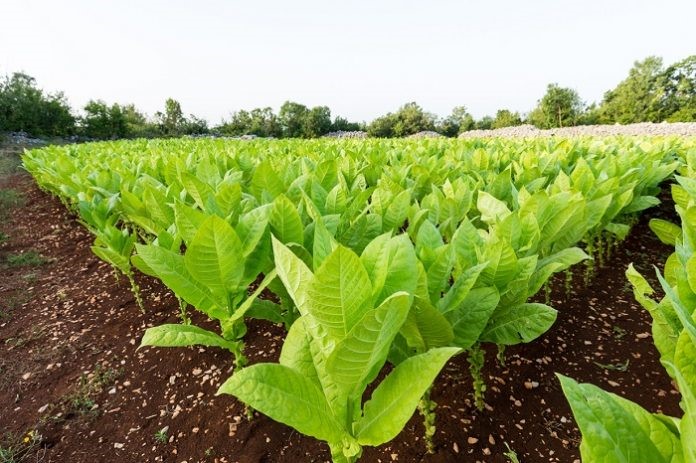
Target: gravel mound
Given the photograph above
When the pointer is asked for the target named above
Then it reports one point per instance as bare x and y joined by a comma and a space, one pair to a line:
683, 129
23, 138
426, 134
347, 134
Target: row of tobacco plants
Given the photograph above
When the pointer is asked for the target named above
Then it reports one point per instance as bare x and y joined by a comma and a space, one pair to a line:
615, 429
400, 251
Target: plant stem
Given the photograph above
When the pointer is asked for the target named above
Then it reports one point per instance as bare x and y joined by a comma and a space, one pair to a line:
135, 289
182, 312
568, 282
427, 407
476, 359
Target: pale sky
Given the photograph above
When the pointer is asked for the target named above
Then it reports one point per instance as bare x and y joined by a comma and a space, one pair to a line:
360, 58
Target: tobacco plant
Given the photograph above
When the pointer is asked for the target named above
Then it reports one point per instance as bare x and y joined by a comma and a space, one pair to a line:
213, 276
335, 350
617, 430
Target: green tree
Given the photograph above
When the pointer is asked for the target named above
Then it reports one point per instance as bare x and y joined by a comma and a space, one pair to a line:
382, 127
485, 123
342, 124
559, 107
317, 122
506, 118
457, 122
407, 120
411, 118
292, 119
264, 123
104, 122
137, 125
239, 124
172, 120
193, 125
25, 107
679, 91
638, 97
261, 122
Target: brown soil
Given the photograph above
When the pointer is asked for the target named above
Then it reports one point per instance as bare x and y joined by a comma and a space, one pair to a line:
69, 367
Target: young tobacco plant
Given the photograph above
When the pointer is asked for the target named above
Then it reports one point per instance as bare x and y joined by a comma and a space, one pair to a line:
334, 351
212, 276
617, 430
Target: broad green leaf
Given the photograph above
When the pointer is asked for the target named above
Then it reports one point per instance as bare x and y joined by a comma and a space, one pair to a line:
471, 317
357, 359
523, 323
684, 372
491, 208
182, 336
293, 272
426, 327
252, 228
396, 398
619, 229
169, 267
397, 211
339, 293
296, 353
428, 236
229, 196
188, 220
610, 432
285, 221
241, 311
199, 191
112, 257
666, 325
459, 291
439, 272
666, 231
263, 309
640, 203
323, 244
215, 257
286, 396
567, 258
390, 264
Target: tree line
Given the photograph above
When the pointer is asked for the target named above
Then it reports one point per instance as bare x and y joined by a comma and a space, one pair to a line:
652, 92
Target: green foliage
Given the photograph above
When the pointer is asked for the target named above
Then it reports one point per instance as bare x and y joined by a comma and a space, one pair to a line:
457, 122
679, 96
173, 123
261, 122
342, 124
559, 107
317, 122
636, 98
292, 118
506, 118
485, 123
25, 107
333, 352
104, 122
213, 277
407, 120
652, 93
172, 120
386, 249
20, 449
161, 435
25, 259
9, 199
617, 430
